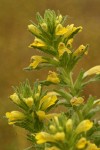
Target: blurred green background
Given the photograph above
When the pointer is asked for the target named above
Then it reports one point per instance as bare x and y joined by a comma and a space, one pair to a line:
15, 55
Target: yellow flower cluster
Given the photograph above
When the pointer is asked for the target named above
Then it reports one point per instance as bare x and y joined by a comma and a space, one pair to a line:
44, 103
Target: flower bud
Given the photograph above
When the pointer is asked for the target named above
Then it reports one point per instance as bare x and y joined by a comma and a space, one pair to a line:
33, 29
80, 50
29, 101
52, 128
84, 126
69, 125
14, 97
53, 77
81, 143
59, 136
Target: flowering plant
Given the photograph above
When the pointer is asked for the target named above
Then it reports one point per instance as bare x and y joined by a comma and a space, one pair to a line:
75, 128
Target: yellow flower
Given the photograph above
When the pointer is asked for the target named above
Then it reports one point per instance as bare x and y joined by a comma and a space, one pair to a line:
29, 101
84, 126
15, 116
69, 125
36, 61
14, 97
52, 148
62, 48
43, 137
37, 43
47, 101
96, 102
53, 77
92, 146
81, 143
33, 29
60, 30
94, 70
80, 50
59, 136
76, 101
42, 115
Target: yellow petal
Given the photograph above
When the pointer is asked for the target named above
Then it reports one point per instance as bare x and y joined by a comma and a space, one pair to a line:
62, 48
70, 41
60, 30
69, 29
36, 61
94, 70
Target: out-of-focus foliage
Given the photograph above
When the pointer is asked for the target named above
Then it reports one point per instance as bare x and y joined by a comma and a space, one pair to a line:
14, 39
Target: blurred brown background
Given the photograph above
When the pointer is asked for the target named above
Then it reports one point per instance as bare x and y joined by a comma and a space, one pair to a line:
15, 55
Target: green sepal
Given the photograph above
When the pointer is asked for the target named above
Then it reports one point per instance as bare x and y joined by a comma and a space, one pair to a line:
88, 106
